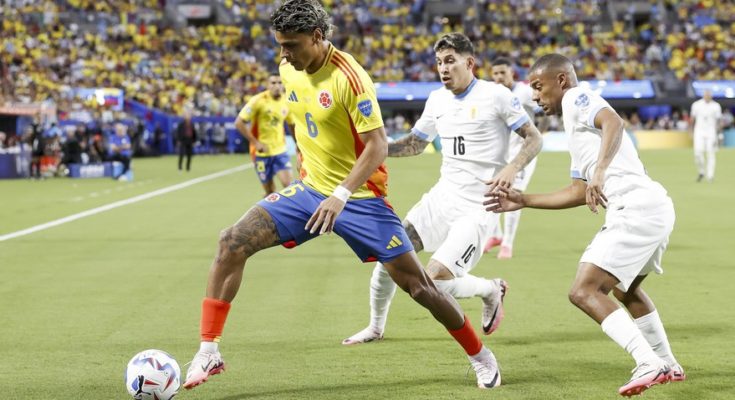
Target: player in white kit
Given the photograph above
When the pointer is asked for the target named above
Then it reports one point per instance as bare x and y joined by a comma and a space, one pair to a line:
706, 115
607, 172
502, 71
474, 119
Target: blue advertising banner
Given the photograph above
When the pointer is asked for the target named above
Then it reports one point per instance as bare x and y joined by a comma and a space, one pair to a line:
720, 89
419, 91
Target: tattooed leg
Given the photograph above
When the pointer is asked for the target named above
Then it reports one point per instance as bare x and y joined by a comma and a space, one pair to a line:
418, 245
253, 232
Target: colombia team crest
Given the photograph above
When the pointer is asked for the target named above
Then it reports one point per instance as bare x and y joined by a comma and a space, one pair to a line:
325, 99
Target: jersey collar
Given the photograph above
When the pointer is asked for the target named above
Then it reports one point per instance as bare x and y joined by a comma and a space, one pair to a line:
466, 91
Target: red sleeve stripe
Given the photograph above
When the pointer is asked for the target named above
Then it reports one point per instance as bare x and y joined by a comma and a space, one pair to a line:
344, 62
349, 78
347, 69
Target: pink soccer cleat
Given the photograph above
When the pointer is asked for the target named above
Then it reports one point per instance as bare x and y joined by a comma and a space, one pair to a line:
492, 242
505, 253
492, 307
644, 376
202, 367
366, 335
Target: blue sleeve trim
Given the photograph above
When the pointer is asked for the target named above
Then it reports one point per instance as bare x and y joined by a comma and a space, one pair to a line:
421, 135
577, 175
520, 122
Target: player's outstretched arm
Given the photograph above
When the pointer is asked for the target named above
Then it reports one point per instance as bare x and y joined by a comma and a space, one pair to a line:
409, 145
531, 147
374, 153
504, 200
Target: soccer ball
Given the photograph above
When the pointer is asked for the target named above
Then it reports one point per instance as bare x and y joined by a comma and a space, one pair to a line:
152, 375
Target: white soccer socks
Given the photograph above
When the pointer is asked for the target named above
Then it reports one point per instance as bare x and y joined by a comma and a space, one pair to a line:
653, 330
623, 331
466, 287
382, 290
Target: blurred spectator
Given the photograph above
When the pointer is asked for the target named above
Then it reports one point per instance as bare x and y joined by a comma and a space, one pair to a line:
219, 138
121, 149
186, 135
36, 142
71, 152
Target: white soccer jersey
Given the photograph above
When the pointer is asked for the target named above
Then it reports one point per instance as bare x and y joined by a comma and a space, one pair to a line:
706, 117
474, 127
525, 95
626, 172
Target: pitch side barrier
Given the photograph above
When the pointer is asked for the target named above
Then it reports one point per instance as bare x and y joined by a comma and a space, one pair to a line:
640, 95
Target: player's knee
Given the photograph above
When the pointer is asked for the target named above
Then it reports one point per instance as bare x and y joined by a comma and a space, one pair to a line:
228, 252
578, 296
419, 291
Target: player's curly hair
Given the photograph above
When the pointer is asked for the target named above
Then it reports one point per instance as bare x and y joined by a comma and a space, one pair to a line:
301, 16
456, 41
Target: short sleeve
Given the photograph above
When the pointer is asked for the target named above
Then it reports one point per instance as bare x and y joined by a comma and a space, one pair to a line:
357, 91
510, 109
581, 106
425, 127
248, 112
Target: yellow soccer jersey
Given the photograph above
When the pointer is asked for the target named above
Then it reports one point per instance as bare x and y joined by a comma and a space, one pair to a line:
267, 116
330, 108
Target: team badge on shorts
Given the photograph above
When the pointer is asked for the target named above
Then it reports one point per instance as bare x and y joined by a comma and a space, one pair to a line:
272, 198
365, 107
325, 99
582, 101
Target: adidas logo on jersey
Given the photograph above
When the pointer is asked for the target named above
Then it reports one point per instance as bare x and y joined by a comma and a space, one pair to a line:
394, 242
292, 97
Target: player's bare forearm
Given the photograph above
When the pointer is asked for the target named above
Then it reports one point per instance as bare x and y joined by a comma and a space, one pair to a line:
244, 130
292, 129
409, 145
612, 135
532, 144
571, 196
374, 153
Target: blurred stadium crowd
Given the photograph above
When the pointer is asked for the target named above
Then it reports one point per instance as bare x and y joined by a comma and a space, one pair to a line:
51, 47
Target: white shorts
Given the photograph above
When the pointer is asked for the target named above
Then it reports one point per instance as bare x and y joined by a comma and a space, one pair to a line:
634, 237
705, 143
523, 178
452, 228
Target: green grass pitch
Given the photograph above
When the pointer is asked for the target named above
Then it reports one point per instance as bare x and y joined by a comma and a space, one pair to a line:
78, 300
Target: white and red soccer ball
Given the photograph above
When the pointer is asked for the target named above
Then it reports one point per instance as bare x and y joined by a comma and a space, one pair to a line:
153, 375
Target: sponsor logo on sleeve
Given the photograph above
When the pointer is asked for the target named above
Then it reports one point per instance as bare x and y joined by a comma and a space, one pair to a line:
365, 107
582, 101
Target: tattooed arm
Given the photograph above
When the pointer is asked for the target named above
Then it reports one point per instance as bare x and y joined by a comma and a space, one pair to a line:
530, 148
409, 145
531, 145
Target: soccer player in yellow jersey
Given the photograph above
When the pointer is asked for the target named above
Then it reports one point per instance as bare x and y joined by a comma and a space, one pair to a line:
339, 130
261, 121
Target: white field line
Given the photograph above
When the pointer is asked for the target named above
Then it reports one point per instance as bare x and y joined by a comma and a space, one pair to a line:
120, 203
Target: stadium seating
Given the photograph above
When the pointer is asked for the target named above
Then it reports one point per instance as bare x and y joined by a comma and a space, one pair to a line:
49, 47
